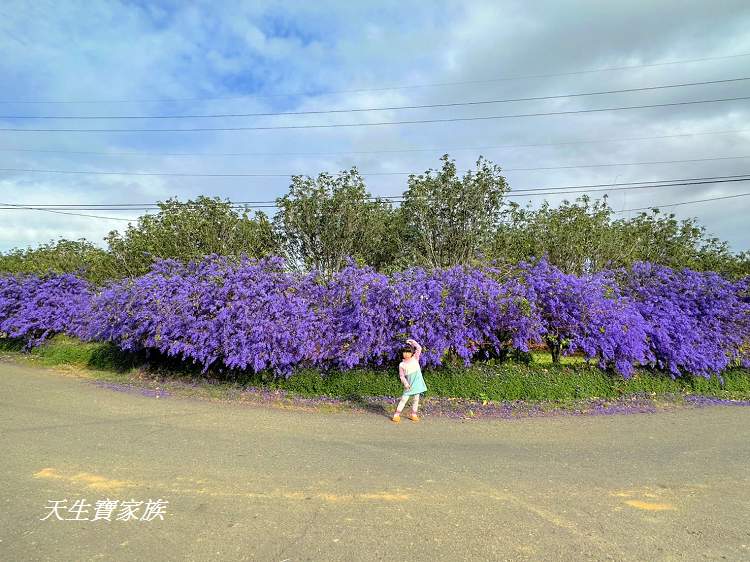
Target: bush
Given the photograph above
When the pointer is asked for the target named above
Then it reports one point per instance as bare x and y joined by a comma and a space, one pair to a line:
253, 315
34, 308
696, 323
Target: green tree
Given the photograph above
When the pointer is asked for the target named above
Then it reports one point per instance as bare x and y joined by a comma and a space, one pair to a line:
325, 220
661, 238
737, 266
449, 219
584, 236
188, 231
61, 256
576, 237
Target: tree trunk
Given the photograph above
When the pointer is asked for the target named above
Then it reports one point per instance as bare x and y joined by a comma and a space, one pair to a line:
555, 349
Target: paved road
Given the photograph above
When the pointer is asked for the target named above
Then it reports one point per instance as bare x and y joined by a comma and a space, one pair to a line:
253, 483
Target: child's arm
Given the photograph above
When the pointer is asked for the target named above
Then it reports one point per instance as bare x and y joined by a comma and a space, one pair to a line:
417, 349
402, 375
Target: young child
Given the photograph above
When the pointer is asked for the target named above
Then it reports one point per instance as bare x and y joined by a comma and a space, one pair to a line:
411, 378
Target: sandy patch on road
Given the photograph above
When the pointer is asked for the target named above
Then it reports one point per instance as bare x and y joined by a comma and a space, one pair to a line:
89, 480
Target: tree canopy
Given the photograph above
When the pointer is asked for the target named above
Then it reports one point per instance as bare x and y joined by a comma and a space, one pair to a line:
443, 220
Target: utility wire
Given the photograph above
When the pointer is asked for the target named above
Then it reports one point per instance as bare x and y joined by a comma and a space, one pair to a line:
609, 165
537, 193
385, 88
564, 190
23, 207
389, 108
616, 212
380, 151
685, 203
687, 181
403, 122
278, 173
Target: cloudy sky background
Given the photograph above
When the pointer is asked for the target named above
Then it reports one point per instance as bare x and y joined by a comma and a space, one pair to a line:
138, 58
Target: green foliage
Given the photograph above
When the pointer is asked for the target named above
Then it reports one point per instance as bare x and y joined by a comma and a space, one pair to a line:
735, 266
502, 381
325, 220
584, 236
509, 381
661, 238
444, 220
63, 350
576, 237
188, 231
358, 382
450, 220
61, 256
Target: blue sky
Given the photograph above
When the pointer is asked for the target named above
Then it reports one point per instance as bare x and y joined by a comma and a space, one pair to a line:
110, 58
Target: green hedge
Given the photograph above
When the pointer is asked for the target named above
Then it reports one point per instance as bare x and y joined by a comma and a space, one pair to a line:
525, 378
509, 382
63, 350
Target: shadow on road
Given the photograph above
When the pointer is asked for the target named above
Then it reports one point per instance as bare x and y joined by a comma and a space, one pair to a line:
368, 405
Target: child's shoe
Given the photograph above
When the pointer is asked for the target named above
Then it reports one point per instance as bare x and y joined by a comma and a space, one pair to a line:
413, 417
396, 418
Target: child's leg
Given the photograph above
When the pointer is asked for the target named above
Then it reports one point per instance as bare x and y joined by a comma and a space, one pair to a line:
415, 404
402, 403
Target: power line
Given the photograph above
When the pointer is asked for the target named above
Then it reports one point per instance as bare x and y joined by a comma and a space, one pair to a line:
403, 122
537, 193
277, 173
22, 207
385, 88
616, 212
645, 182
389, 108
684, 203
259, 174
377, 151
609, 165
563, 190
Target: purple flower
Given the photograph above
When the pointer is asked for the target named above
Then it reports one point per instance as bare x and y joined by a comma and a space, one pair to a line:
255, 315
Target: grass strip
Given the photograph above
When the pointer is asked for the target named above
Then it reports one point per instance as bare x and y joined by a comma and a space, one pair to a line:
537, 380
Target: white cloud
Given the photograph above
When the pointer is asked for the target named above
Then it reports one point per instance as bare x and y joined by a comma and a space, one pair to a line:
127, 51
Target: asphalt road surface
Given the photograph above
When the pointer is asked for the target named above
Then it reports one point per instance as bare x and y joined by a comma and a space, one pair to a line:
254, 483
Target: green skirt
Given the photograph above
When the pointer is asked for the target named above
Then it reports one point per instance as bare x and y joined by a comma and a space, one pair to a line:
417, 384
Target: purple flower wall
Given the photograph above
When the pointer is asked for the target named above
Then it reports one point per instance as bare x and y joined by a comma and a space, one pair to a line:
255, 315
34, 308
696, 322
589, 314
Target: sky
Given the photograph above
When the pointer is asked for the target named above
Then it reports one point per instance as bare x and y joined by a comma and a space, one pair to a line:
140, 59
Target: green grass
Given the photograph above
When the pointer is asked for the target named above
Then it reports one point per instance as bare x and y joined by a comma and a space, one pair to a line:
63, 350
537, 380
510, 381
543, 358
